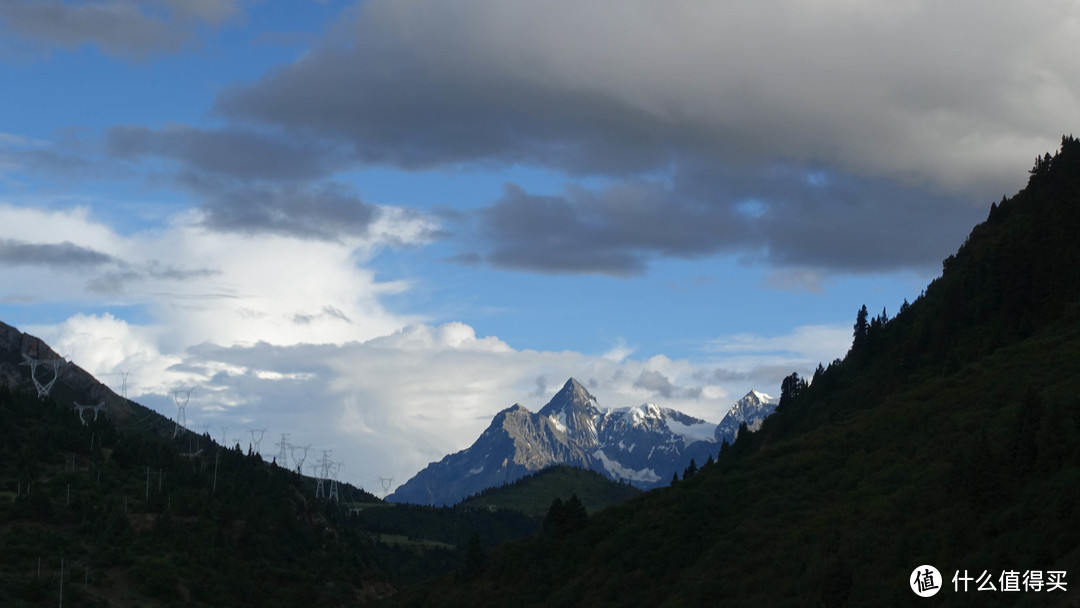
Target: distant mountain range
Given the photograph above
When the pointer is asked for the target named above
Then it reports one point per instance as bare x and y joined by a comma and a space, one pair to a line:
644, 445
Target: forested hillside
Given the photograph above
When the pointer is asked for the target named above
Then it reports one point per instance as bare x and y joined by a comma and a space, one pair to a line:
533, 494
136, 517
947, 436
129, 518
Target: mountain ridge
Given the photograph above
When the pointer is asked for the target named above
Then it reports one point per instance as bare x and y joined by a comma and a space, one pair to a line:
645, 445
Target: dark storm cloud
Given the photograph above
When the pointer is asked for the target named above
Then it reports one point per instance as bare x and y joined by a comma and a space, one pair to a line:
236, 153
118, 27
611, 232
915, 91
60, 256
893, 126
392, 107
786, 218
318, 212
252, 181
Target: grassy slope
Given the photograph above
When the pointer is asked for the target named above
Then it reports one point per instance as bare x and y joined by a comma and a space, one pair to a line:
950, 438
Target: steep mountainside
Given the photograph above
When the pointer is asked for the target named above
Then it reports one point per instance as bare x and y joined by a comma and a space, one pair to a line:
948, 436
643, 445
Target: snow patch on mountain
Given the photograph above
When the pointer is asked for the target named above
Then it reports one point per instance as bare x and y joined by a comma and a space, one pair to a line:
618, 471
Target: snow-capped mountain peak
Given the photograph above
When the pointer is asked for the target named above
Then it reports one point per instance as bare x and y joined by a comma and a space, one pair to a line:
760, 396
752, 409
573, 397
643, 444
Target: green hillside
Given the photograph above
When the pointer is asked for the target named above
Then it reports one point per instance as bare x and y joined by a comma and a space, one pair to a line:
948, 436
534, 493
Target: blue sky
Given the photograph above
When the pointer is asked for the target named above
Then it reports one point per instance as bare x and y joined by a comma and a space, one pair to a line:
373, 225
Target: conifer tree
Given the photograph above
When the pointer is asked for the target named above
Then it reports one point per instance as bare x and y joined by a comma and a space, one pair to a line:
861, 328
690, 470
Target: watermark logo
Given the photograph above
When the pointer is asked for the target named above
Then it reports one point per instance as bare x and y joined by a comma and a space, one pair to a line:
925, 581
1035, 581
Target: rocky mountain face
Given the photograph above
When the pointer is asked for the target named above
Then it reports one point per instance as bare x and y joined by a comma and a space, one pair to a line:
644, 445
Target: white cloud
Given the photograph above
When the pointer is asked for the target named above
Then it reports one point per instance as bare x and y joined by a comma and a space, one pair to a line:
206, 285
291, 335
107, 347
389, 405
619, 352
804, 346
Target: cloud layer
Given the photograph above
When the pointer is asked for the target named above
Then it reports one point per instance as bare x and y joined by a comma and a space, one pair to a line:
783, 217
389, 405
120, 28
913, 91
837, 137
267, 341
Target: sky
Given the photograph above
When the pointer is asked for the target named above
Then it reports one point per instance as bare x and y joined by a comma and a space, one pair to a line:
371, 226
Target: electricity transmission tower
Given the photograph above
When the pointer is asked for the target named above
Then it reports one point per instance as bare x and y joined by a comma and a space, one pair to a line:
43, 389
322, 474
256, 438
282, 458
387, 483
123, 385
181, 409
298, 463
97, 408
333, 470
